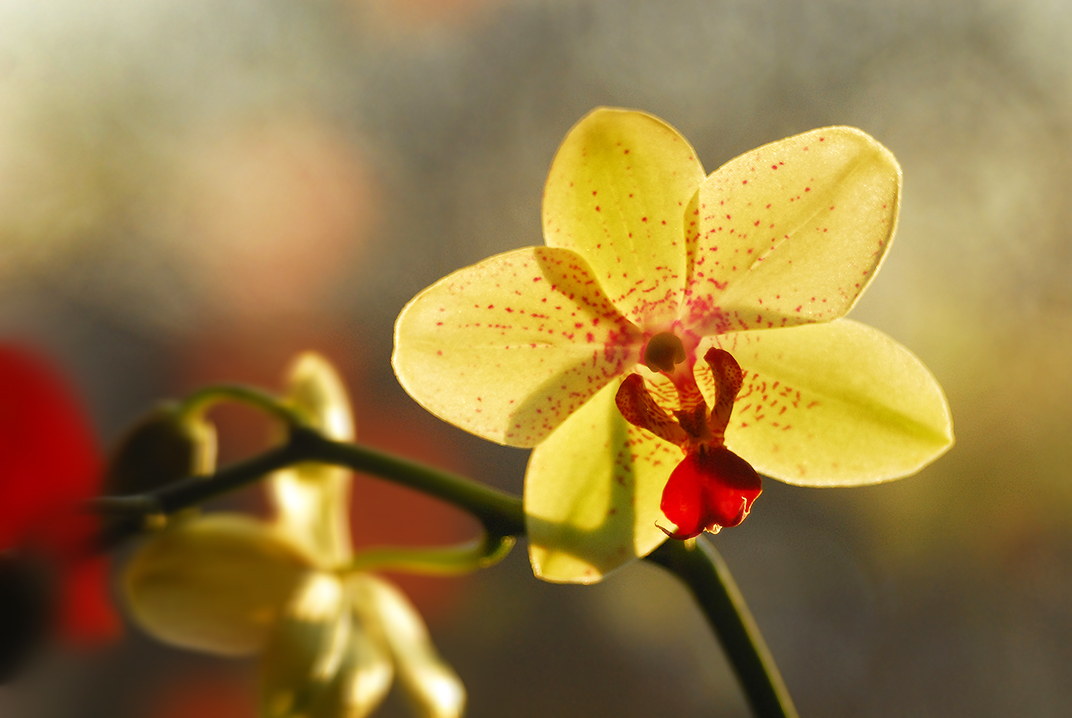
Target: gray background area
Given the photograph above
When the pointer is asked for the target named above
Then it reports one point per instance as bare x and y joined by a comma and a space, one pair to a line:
193, 191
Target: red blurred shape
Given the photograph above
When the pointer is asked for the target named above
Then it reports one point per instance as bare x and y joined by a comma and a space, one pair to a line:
49, 462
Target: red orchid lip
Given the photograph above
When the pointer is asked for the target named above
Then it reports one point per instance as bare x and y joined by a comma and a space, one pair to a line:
711, 489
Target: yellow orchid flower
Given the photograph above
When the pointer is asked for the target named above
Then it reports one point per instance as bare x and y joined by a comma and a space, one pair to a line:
588, 348
332, 640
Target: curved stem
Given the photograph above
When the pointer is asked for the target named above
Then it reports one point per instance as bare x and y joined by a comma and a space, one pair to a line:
195, 405
499, 512
439, 561
697, 564
701, 568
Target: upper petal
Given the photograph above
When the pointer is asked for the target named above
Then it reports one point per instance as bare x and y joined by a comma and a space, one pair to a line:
510, 347
312, 500
592, 493
838, 404
791, 232
617, 193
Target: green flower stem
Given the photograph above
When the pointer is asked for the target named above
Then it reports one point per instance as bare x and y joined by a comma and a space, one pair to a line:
697, 564
702, 569
126, 516
440, 561
499, 512
195, 405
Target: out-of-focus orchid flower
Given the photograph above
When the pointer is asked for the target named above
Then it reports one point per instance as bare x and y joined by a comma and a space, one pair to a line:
332, 640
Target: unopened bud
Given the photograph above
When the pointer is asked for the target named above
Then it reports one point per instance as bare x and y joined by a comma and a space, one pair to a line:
160, 449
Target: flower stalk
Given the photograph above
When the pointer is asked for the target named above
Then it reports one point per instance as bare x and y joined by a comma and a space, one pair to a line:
708, 578
696, 564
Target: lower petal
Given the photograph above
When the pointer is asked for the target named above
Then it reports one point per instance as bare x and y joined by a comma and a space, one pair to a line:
432, 685
592, 494
307, 647
362, 681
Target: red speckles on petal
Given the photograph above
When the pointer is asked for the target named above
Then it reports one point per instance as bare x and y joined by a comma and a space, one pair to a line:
565, 317
807, 256
640, 409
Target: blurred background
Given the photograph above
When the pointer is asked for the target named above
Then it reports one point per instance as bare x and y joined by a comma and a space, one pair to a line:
194, 191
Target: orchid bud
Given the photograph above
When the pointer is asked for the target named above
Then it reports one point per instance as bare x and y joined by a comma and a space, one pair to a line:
161, 448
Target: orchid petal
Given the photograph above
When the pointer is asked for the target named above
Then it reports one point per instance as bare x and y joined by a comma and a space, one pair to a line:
510, 347
213, 583
311, 500
307, 647
617, 194
363, 679
838, 404
792, 232
433, 686
592, 493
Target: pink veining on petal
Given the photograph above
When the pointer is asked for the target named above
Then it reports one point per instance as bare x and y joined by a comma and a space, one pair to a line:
533, 351
642, 172
808, 223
